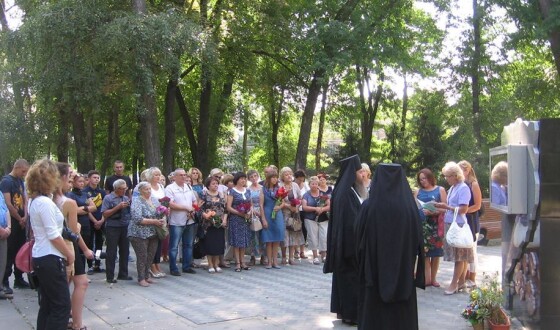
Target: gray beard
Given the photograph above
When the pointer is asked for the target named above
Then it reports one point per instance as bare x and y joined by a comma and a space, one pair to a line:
361, 189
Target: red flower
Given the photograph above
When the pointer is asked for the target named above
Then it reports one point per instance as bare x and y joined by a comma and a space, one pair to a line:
295, 202
195, 207
164, 201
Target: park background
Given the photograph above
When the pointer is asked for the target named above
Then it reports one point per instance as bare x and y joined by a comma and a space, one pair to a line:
242, 84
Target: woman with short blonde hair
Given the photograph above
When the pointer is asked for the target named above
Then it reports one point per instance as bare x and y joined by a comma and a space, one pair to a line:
458, 197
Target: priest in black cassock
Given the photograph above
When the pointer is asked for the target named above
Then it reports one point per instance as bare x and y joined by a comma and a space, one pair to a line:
388, 242
348, 194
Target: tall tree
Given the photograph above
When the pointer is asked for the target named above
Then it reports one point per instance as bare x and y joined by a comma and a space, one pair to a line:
146, 101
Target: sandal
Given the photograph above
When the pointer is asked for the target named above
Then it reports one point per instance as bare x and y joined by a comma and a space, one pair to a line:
238, 268
436, 284
291, 262
245, 267
303, 256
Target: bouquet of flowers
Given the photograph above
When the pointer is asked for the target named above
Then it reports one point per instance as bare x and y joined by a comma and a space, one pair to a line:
216, 220
281, 193
431, 238
322, 202
295, 202
163, 209
244, 208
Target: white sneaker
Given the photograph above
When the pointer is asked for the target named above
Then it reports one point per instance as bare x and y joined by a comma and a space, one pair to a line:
218, 270
316, 261
211, 270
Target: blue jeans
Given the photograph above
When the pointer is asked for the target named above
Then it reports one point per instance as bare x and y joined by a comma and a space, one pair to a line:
186, 233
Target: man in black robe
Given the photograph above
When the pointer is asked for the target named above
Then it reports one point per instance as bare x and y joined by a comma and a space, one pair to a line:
389, 241
347, 197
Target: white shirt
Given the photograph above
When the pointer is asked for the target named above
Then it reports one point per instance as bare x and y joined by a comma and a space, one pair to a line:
47, 222
160, 193
184, 196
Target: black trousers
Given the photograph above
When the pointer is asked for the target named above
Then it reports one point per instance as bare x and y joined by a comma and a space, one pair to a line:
15, 242
54, 296
96, 238
116, 237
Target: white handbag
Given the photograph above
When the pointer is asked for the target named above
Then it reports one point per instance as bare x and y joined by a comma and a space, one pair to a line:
459, 237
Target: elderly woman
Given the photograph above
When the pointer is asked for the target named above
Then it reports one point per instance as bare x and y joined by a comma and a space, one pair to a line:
153, 177
498, 189
142, 232
315, 206
292, 239
50, 253
458, 197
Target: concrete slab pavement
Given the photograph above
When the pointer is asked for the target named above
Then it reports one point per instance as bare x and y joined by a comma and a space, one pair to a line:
294, 297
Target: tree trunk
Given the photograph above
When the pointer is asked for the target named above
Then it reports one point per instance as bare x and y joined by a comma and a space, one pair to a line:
321, 127
218, 116
368, 109
78, 127
314, 90
404, 107
113, 145
63, 142
545, 7
146, 107
275, 116
244, 153
205, 98
307, 119
475, 75
187, 122
169, 124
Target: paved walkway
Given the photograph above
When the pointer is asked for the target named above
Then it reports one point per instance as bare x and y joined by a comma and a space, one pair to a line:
294, 297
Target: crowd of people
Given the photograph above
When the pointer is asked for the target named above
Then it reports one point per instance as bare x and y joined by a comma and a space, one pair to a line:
355, 229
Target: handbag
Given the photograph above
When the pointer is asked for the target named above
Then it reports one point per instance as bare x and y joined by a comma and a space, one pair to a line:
459, 237
23, 257
256, 224
293, 224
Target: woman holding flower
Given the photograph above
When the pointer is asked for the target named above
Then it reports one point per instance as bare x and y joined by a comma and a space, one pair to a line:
153, 176
273, 204
238, 207
142, 232
292, 239
315, 206
433, 224
214, 221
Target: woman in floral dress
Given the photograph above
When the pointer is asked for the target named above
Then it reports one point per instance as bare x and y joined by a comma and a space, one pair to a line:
214, 221
429, 192
238, 207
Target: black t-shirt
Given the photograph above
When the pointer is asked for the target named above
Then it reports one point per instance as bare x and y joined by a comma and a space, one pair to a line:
15, 187
111, 179
97, 196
